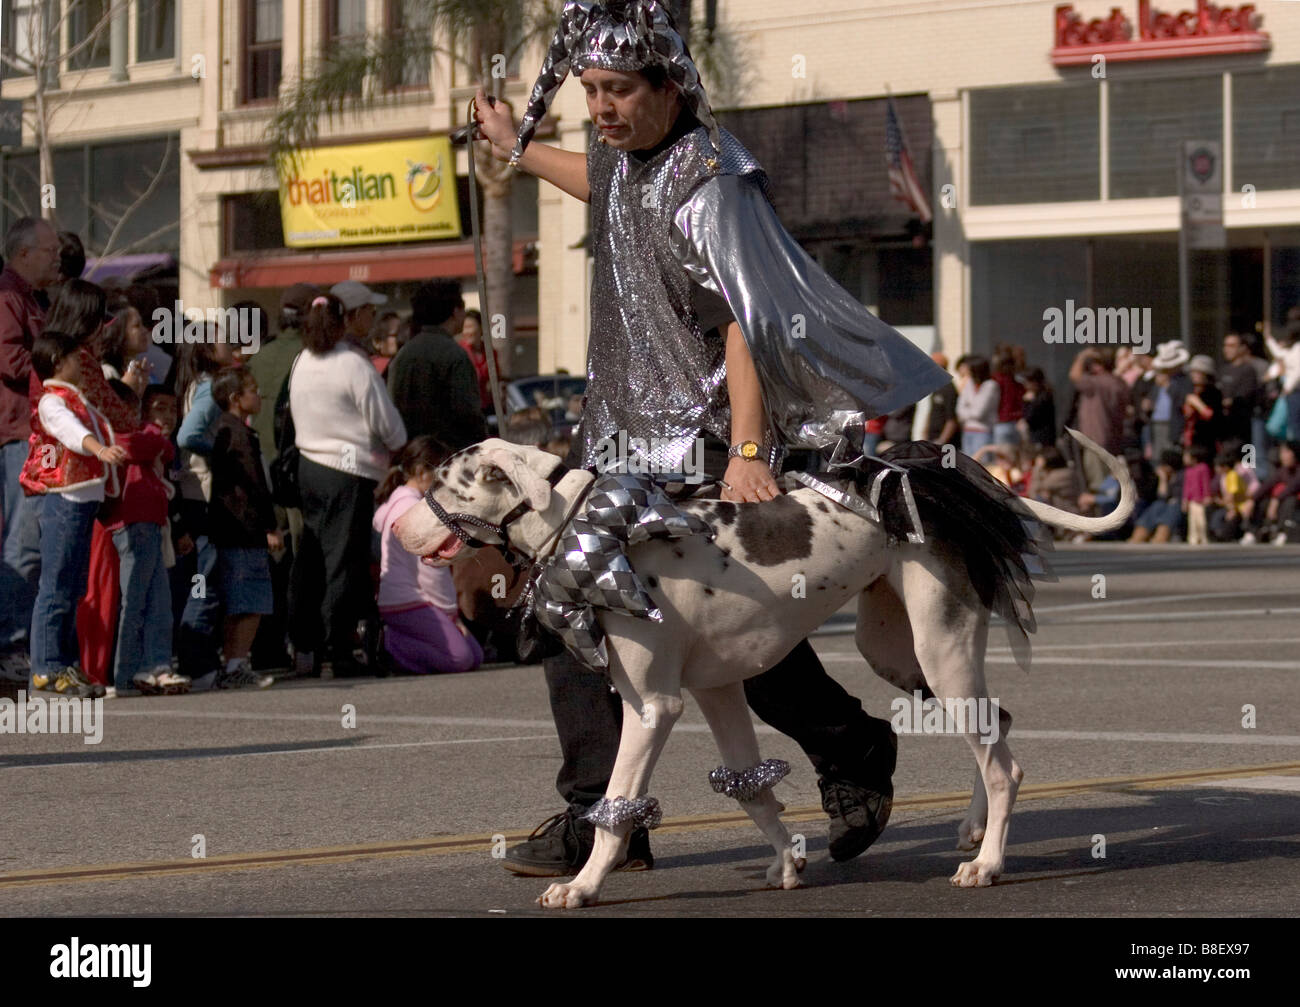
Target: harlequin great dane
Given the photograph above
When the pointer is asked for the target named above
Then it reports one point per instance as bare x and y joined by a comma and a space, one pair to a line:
729, 613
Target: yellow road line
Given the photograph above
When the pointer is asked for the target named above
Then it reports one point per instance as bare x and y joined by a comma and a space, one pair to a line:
439, 845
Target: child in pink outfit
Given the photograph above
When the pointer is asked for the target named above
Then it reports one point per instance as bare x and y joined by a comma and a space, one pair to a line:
423, 631
1198, 491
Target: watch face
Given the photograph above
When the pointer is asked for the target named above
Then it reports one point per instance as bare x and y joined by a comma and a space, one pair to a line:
749, 449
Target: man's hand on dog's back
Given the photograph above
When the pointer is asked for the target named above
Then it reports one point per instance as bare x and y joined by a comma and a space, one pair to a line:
749, 482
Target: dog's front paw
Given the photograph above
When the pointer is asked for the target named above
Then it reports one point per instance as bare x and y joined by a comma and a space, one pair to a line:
784, 872
974, 874
970, 834
568, 896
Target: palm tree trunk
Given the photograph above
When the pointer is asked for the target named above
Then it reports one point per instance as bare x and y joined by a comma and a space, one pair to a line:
498, 267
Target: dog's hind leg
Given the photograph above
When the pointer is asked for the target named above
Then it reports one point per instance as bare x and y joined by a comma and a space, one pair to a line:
950, 631
970, 833
884, 638
725, 709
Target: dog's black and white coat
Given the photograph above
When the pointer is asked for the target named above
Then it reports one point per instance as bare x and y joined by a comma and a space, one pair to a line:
729, 613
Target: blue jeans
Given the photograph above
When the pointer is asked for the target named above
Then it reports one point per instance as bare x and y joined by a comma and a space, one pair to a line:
65, 567
1259, 438
1166, 512
20, 559
201, 617
144, 628
1006, 433
973, 440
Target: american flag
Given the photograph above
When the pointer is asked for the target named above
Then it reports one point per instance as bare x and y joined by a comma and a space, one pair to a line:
903, 183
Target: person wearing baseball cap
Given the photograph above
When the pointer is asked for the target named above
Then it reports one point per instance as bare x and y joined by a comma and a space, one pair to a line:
359, 303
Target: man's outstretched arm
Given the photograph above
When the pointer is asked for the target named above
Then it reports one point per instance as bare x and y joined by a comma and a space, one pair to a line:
565, 169
749, 481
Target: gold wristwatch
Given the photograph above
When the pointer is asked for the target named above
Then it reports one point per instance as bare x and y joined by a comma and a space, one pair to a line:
751, 451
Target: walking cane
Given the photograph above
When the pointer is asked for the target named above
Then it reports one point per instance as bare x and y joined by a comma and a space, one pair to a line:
464, 135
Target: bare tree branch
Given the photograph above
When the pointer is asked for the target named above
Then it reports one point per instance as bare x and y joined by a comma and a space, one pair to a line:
140, 200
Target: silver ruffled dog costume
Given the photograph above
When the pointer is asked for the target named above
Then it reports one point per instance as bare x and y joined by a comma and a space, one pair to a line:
590, 569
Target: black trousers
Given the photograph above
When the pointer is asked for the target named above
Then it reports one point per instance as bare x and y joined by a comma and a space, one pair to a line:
796, 697
331, 589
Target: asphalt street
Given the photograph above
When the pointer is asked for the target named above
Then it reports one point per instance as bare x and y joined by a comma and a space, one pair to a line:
390, 796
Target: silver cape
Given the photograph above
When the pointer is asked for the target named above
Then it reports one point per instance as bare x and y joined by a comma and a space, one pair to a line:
681, 230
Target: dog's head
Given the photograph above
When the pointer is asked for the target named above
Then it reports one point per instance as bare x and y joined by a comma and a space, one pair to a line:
486, 480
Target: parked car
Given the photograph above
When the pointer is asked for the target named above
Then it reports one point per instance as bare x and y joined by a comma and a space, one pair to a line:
552, 392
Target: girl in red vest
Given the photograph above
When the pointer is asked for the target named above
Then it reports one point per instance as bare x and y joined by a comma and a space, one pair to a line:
68, 464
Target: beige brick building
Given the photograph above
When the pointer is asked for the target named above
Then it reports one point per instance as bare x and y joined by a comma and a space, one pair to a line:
1049, 177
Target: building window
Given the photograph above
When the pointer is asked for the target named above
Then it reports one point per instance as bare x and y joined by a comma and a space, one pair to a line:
1034, 145
22, 32
135, 194
88, 34
409, 29
345, 20
1149, 121
155, 36
1266, 129
252, 222
262, 35
345, 32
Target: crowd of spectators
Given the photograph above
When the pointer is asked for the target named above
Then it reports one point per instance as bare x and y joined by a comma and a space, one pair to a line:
179, 516
1211, 447
151, 543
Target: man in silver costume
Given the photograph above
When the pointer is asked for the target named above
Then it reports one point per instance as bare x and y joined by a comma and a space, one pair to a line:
708, 321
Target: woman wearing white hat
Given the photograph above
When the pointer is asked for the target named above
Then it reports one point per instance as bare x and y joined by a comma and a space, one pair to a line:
1202, 406
1161, 397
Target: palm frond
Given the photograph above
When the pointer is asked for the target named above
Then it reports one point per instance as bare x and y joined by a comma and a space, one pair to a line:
352, 76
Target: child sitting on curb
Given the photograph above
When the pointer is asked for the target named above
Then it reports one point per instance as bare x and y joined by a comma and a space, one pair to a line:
417, 602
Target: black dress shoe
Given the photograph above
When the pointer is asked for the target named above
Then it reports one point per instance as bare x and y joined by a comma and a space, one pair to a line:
562, 844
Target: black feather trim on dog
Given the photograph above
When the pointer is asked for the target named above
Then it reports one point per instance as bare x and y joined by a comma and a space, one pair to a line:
966, 508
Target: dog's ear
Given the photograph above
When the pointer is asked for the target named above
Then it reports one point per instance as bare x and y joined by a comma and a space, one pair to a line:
504, 465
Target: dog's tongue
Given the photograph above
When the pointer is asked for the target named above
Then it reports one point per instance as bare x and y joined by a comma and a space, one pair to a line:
450, 547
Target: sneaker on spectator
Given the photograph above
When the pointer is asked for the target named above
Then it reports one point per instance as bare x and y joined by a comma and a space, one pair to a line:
1280, 538
205, 683
113, 692
15, 666
243, 676
69, 682
161, 681
1248, 538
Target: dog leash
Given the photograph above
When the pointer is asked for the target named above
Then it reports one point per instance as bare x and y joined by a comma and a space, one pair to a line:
466, 133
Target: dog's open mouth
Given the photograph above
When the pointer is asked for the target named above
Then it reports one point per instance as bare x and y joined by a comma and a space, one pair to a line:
451, 545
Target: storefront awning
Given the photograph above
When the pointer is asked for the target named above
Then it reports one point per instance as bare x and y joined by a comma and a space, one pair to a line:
98, 270
383, 265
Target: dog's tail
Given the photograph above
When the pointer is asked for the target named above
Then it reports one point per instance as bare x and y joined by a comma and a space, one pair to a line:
1075, 522
963, 507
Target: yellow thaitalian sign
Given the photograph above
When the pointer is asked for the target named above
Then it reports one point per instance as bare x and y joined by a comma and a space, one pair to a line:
363, 193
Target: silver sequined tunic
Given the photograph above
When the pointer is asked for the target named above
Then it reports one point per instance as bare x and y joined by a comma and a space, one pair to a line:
651, 371
682, 223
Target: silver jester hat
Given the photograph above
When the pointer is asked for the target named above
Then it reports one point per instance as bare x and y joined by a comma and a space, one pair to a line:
616, 35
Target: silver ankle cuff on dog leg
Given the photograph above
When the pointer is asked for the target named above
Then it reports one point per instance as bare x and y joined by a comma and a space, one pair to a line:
642, 812
749, 783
